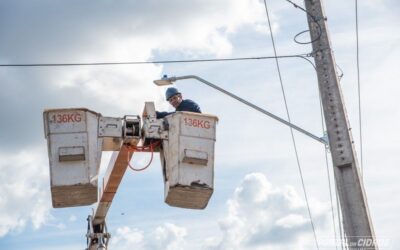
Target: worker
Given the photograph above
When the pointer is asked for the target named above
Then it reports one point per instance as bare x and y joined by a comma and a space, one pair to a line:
174, 97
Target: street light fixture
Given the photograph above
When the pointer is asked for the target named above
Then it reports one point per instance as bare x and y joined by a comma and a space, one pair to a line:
169, 80
163, 81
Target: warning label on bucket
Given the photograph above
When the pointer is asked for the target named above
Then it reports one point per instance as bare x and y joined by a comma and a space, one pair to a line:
198, 123
68, 117
67, 121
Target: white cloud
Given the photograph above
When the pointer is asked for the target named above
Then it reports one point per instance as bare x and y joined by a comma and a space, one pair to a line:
258, 216
126, 237
25, 193
202, 26
132, 31
198, 28
125, 88
72, 218
261, 216
93, 32
168, 236
61, 226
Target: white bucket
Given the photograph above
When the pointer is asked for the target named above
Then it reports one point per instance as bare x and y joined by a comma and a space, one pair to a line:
187, 158
74, 155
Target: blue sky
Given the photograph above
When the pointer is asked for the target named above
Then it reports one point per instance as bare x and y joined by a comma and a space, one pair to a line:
258, 200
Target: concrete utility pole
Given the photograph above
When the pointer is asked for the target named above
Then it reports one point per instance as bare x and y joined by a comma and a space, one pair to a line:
357, 223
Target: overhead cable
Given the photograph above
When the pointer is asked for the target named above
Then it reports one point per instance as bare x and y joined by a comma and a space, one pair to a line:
359, 90
291, 130
303, 56
342, 236
314, 20
327, 171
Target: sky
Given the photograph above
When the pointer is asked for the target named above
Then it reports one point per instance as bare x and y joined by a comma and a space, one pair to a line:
258, 200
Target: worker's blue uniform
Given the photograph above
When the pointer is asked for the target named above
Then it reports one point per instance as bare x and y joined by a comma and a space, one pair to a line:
185, 105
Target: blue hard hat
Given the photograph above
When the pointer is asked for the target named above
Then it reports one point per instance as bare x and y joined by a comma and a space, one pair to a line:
171, 92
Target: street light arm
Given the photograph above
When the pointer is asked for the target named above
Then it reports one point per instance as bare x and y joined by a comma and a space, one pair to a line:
174, 79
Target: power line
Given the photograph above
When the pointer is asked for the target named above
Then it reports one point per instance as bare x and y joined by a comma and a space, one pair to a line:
359, 89
342, 236
291, 130
303, 56
314, 20
330, 195
327, 170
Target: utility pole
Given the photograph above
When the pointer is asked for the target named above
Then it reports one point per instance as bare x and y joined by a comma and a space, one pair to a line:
357, 222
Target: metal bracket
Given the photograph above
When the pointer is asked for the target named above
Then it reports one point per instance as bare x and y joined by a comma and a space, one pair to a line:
131, 129
154, 129
97, 235
110, 130
325, 138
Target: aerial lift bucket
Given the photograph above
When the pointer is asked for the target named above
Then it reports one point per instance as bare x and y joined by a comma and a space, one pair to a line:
74, 155
187, 158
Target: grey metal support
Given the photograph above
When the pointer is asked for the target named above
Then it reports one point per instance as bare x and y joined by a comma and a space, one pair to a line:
353, 201
169, 80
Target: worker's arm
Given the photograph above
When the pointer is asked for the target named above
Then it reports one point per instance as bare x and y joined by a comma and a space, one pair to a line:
188, 105
160, 115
